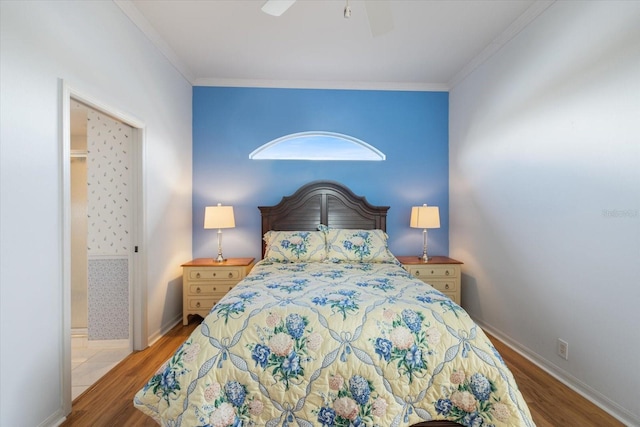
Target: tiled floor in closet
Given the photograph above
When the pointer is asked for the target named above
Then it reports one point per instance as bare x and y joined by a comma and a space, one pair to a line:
89, 363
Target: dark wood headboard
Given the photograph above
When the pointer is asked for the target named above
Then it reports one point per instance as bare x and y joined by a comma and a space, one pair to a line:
322, 202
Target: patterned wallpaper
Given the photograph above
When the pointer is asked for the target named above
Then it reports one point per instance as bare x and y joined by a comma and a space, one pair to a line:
108, 299
109, 228
109, 175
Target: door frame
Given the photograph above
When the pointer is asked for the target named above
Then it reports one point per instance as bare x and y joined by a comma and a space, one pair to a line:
138, 335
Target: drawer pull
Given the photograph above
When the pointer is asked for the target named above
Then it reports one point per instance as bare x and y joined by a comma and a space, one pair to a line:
432, 271
214, 274
230, 275
446, 273
198, 290
197, 275
215, 289
198, 304
417, 273
446, 286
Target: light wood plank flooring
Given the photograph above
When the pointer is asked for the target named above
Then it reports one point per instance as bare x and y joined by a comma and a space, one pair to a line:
108, 402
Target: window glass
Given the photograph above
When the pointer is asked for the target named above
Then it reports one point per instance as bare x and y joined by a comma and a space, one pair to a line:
317, 146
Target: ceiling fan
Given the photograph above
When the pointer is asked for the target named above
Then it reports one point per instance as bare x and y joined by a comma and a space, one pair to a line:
378, 13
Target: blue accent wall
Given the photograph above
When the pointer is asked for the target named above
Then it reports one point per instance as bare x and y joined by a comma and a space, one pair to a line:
411, 128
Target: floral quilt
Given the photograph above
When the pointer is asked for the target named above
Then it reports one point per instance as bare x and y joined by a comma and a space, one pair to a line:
334, 344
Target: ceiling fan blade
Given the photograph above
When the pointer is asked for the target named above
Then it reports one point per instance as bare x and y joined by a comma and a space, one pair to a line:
380, 16
277, 7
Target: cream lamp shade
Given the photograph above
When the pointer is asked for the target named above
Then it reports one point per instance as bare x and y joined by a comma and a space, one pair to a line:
219, 217
425, 217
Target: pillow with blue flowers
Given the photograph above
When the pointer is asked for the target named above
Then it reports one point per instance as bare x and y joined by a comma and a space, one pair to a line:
295, 246
358, 246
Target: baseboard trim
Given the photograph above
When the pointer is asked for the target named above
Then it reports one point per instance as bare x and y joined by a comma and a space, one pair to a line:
54, 420
164, 329
595, 397
80, 332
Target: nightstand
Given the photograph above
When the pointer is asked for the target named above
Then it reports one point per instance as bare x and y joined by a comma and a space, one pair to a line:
441, 272
205, 281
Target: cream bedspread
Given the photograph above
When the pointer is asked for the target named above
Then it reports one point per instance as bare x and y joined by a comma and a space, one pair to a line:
334, 344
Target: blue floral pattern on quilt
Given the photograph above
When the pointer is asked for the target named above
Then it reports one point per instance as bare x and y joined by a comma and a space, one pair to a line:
325, 344
295, 246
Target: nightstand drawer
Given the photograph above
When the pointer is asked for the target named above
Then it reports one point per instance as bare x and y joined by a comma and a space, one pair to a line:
425, 272
219, 290
444, 286
215, 274
202, 303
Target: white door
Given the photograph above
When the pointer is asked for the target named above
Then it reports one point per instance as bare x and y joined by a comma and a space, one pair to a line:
109, 227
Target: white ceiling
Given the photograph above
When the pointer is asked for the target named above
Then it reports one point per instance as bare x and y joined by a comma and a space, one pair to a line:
432, 46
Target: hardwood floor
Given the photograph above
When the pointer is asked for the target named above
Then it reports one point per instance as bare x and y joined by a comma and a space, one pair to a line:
552, 404
108, 402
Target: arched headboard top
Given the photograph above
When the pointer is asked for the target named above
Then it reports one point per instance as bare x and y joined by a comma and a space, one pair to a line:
322, 202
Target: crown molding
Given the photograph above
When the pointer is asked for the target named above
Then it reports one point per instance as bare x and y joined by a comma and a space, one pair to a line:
156, 39
312, 84
513, 30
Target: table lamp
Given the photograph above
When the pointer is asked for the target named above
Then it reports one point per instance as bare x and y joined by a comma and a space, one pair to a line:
425, 217
219, 217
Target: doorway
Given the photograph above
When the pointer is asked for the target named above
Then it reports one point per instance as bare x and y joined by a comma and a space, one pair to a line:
100, 244
104, 296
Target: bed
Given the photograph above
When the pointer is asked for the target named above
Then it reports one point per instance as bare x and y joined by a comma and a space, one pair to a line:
329, 330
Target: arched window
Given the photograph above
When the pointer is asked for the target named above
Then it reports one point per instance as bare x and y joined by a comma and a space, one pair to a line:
317, 145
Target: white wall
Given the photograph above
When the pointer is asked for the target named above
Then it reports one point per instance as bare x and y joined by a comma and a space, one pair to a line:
545, 195
96, 49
